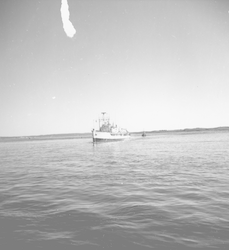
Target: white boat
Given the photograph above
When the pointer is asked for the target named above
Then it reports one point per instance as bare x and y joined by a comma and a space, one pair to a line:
106, 131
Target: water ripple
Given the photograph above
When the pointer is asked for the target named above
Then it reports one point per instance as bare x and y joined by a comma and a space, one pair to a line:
160, 192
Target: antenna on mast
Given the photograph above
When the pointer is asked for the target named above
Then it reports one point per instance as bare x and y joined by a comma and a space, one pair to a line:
103, 113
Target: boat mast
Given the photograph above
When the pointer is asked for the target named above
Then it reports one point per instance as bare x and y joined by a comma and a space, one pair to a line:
104, 118
101, 119
103, 115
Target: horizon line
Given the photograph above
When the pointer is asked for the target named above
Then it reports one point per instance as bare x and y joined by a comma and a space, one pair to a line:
133, 132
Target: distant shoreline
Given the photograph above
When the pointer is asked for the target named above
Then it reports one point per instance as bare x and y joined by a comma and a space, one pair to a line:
88, 135
46, 137
217, 129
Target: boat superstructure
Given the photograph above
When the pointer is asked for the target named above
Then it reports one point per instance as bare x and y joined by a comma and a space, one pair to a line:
107, 131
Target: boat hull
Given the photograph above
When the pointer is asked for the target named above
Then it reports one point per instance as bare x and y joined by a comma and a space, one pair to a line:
107, 136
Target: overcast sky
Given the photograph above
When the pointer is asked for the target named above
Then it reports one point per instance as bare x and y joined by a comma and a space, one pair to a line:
152, 65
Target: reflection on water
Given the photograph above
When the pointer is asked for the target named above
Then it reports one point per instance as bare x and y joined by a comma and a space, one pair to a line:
166, 191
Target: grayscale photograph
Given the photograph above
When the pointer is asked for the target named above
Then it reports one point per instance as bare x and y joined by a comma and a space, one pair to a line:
114, 125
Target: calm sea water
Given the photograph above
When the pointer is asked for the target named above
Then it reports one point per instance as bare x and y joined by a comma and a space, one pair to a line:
166, 191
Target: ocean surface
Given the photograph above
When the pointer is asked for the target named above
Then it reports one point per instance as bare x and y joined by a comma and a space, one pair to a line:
164, 191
